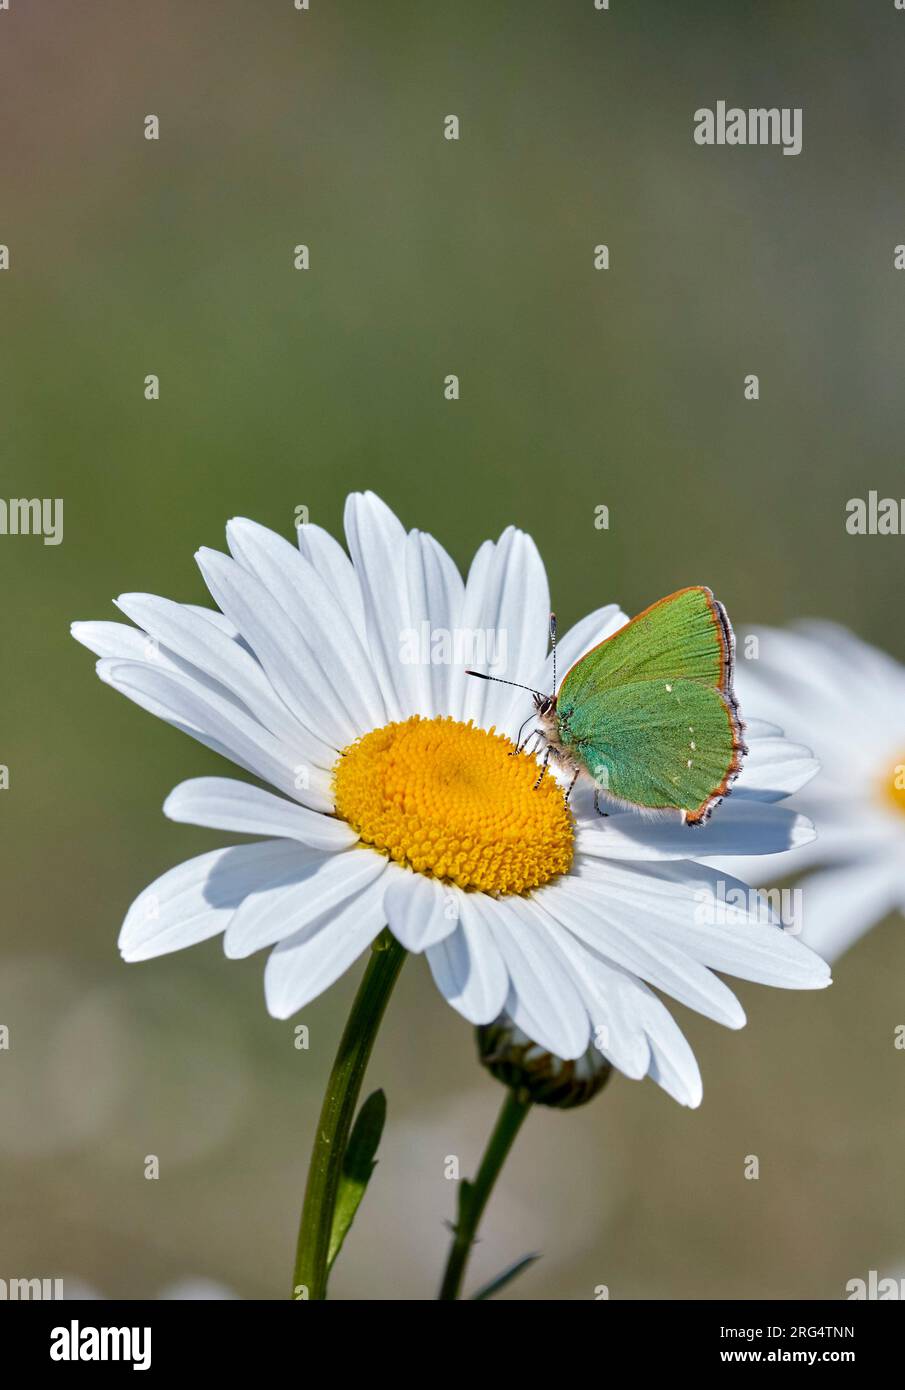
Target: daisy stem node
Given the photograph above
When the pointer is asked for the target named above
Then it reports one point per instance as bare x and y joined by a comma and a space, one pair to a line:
337, 1113
473, 1196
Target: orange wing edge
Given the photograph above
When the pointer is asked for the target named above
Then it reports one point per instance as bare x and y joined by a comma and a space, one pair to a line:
701, 814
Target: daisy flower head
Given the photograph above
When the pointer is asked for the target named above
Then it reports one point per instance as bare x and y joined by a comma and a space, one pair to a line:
847, 699
399, 798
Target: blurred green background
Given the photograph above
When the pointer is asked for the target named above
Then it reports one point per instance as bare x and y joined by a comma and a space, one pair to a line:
282, 388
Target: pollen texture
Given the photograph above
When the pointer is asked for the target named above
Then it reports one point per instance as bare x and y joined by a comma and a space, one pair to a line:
457, 803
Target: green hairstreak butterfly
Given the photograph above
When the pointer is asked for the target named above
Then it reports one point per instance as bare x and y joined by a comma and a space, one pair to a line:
649, 715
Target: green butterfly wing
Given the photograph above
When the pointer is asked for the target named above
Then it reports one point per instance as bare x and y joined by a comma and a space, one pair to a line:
650, 712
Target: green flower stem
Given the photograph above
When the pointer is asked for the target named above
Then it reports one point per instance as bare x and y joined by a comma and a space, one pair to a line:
337, 1113
473, 1197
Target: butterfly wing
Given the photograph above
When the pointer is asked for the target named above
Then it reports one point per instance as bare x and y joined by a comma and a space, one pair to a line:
650, 712
685, 634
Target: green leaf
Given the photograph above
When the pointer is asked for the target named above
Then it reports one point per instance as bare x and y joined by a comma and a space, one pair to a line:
358, 1165
505, 1278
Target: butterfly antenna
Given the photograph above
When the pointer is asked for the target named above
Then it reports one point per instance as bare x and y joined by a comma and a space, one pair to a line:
499, 679
553, 640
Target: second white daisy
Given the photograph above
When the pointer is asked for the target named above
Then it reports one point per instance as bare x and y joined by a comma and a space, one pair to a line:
847, 698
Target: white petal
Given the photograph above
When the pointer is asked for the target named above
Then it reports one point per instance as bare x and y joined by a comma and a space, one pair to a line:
759, 728
420, 911
614, 920
216, 722
846, 830
197, 899
732, 931
629, 1023
848, 659
280, 646
414, 640
219, 620
306, 964
323, 884
736, 827
514, 616
810, 679
774, 768
224, 804
673, 1065
222, 624
435, 595
315, 611
640, 1035
608, 994
466, 693
790, 672
119, 640
543, 1000
337, 571
376, 542
843, 902
114, 641
207, 648
162, 709
467, 966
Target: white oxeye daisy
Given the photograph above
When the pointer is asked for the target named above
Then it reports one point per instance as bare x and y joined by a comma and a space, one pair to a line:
341, 682
847, 699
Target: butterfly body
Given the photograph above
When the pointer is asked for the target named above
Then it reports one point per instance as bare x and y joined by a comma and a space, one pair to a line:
649, 715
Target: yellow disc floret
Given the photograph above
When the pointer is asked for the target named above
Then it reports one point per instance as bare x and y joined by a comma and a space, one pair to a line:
457, 803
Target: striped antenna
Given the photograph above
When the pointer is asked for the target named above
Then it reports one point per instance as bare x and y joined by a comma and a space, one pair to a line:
553, 640
499, 679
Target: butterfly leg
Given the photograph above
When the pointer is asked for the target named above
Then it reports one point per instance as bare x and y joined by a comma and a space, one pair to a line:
571, 786
597, 803
543, 769
537, 735
519, 745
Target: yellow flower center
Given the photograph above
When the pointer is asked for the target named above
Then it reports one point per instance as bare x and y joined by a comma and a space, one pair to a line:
893, 786
455, 802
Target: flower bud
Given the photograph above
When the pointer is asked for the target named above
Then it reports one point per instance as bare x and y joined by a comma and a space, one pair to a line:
537, 1075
